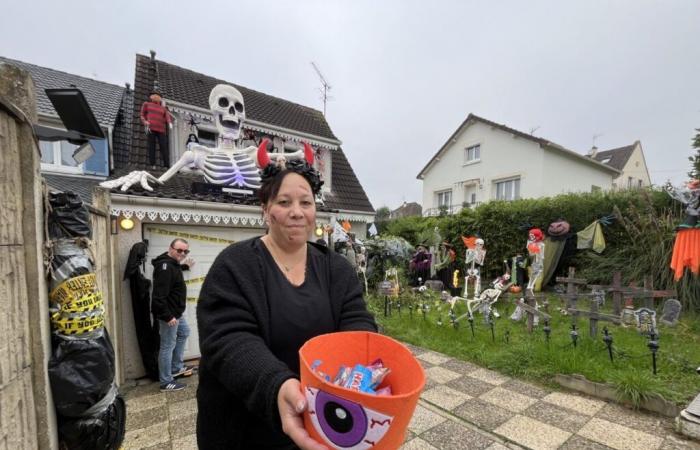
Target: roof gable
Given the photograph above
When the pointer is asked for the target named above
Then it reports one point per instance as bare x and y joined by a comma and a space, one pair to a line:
616, 157
104, 98
472, 118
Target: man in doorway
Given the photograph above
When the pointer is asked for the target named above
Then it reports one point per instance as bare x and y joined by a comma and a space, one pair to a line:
168, 306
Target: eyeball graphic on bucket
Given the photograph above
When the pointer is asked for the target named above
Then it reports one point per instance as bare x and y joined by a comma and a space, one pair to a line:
345, 424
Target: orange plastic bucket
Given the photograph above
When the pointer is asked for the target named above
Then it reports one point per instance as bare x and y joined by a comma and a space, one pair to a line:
345, 419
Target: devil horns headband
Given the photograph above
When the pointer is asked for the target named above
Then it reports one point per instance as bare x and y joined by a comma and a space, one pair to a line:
304, 167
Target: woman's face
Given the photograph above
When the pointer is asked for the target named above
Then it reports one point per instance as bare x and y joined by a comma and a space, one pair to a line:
291, 215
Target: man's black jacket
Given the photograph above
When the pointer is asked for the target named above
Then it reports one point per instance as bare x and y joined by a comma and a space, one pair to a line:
169, 290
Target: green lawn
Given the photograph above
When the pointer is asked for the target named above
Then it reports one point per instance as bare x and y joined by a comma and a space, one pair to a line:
529, 357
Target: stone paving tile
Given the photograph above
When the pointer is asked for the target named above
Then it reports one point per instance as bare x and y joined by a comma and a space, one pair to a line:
145, 402
483, 414
445, 397
496, 446
459, 366
425, 365
526, 389
489, 376
183, 426
182, 409
557, 416
675, 443
423, 419
441, 375
146, 437
415, 350
533, 433
582, 405
433, 358
647, 422
148, 388
429, 383
408, 436
189, 392
512, 401
451, 436
188, 442
619, 437
470, 385
576, 442
164, 446
146, 418
417, 444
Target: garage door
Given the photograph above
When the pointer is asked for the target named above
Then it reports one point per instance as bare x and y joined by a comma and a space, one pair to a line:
205, 244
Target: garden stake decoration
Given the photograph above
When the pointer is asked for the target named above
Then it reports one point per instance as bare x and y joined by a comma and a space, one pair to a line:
608, 339
410, 310
653, 346
547, 330
574, 334
491, 325
453, 319
471, 325
398, 306
506, 336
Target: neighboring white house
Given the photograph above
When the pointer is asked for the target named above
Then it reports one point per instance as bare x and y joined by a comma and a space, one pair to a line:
484, 161
630, 160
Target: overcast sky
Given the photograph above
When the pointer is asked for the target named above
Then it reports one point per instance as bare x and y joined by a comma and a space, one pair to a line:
405, 74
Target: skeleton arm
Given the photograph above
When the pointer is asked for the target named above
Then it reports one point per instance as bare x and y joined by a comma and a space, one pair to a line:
137, 176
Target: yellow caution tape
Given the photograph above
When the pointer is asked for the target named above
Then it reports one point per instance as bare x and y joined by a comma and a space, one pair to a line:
195, 280
84, 304
78, 325
192, 299
197, 237
74, 288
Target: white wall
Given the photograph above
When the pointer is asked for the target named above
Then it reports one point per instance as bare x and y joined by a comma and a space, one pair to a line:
542, 172
636, 168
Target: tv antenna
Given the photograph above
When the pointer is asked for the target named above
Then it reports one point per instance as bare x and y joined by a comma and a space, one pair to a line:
325, 87
533, 129
596, 136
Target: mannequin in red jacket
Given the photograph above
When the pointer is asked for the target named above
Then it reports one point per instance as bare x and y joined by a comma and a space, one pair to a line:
155, 117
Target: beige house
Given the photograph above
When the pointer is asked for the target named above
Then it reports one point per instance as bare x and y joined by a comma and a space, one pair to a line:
629, 160
484, 161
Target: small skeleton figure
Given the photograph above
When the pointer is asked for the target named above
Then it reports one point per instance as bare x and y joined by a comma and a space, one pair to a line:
535, 249
474, 260
362, 265
490, 296
227, 164
689, 195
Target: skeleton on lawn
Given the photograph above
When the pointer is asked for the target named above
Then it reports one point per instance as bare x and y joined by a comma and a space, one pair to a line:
226, 165
474, 259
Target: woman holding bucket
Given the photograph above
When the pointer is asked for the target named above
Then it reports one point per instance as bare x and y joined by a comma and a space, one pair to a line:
262, 299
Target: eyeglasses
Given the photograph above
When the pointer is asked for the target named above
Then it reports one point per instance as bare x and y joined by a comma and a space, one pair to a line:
181, 251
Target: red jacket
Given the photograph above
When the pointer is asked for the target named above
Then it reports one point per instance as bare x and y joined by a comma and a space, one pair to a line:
155, 116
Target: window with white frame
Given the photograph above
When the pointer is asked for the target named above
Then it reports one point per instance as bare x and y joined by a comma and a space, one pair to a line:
472, 153
508, 189
58, 155
444, 199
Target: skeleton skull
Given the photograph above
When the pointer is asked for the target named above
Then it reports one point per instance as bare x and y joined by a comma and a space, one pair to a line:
226, 104
479, 243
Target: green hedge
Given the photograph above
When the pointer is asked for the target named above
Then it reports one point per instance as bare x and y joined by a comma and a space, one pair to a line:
639, 242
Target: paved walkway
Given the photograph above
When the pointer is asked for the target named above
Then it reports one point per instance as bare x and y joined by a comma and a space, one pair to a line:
463, 406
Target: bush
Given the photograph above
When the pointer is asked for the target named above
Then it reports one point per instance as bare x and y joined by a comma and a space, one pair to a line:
639, 242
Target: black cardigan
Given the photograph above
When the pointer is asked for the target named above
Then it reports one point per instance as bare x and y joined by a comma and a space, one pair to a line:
239, 376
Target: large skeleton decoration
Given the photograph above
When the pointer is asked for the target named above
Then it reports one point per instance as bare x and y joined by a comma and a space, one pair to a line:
225, 165
474, 259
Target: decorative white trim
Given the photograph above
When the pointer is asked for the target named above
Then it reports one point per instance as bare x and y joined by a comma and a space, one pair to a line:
174, 214
366, 218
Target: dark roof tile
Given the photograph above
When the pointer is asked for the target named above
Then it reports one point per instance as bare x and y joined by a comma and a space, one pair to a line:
616, 157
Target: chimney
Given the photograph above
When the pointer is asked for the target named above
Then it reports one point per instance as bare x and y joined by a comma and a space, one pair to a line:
592, 152
128, 86
153, 55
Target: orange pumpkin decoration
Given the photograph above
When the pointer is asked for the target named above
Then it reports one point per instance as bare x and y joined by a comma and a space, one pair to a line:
515, 289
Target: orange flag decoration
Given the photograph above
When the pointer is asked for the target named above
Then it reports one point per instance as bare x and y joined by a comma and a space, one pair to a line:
346, 225
347, 419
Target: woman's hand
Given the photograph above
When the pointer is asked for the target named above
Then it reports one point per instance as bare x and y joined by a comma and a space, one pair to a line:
291, 404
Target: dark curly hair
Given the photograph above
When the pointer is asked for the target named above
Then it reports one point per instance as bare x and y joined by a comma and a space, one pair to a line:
273, 175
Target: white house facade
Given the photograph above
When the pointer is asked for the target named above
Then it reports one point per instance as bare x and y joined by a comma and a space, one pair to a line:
630, 161
484, 161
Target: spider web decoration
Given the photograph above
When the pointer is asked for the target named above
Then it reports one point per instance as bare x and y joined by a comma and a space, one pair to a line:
193, 122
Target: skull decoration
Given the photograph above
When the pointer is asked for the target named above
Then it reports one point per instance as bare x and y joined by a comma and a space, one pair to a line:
226, 104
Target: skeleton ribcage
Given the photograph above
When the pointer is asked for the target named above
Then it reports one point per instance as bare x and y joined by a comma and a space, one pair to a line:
231, 169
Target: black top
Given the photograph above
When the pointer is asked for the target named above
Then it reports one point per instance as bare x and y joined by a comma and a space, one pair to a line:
297, 313
169, 297
239, 376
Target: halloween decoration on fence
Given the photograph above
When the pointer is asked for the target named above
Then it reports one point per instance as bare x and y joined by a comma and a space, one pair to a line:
686, 249
226, 165
90, 411
473, 260
147, 333
535, 250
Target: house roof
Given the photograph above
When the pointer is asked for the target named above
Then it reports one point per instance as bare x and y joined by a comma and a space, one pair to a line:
616, 157
192, 88
104, 98
541, 141
80, 185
